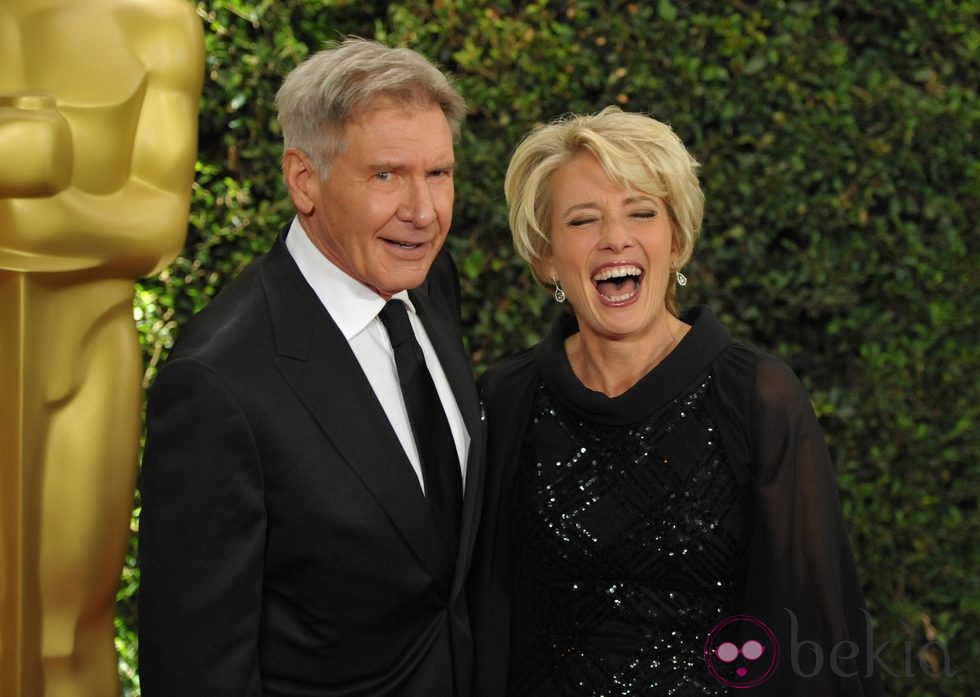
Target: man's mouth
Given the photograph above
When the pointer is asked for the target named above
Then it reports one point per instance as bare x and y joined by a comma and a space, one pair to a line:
403, 245
617, 284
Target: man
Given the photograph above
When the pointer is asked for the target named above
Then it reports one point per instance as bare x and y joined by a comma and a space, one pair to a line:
297, 535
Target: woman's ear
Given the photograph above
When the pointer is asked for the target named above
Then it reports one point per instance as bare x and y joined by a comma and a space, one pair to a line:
544, 266
302, 181
675, 246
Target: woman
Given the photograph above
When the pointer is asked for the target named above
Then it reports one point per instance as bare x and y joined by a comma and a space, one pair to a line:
662, 516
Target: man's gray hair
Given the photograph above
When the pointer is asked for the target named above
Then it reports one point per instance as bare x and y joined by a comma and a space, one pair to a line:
323, 93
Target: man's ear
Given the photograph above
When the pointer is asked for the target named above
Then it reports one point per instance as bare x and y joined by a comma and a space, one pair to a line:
302, 180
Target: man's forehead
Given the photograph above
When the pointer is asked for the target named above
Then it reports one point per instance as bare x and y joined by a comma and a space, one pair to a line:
407, 105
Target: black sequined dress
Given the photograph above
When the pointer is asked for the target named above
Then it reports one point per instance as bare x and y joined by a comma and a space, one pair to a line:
634, 536
619, 531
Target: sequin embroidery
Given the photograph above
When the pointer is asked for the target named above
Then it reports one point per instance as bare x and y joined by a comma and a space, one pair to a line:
634, 538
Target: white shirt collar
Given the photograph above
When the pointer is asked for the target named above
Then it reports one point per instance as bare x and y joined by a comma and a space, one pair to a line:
351, 304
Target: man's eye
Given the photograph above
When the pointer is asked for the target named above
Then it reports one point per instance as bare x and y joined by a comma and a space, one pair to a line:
382, 176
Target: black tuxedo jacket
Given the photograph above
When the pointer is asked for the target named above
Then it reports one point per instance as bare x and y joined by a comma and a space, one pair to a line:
286, 546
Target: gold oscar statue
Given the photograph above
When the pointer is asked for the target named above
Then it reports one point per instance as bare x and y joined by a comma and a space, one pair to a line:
98, 134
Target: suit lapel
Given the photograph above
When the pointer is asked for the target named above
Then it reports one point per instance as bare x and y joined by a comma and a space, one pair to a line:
318, 364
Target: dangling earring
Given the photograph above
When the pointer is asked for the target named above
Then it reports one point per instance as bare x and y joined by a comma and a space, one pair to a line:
559, 293
681, 278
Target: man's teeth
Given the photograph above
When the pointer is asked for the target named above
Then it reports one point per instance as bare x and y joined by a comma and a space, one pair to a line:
616, 272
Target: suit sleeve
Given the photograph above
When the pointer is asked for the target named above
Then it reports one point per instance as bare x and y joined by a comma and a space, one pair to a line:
802, 577
202, 533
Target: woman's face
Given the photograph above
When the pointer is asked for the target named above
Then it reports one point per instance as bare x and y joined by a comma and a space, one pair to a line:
610, 250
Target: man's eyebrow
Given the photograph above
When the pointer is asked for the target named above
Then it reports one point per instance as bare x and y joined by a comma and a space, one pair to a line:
390, 165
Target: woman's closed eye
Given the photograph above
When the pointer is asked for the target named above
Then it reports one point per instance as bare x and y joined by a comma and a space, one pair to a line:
644, 214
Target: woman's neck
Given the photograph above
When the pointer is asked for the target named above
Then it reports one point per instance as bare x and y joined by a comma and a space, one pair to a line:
613, 366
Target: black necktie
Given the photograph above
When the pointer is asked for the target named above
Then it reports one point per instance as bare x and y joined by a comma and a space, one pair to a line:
434, 440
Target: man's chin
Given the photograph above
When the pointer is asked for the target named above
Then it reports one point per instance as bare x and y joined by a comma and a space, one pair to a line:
406, 279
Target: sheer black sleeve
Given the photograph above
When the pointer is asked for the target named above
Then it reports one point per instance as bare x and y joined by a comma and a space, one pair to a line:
802, 581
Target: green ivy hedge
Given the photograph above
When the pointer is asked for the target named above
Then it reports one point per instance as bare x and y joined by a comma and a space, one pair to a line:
841, 164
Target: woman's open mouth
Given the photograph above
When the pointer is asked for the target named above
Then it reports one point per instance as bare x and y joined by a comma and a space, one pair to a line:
619, 283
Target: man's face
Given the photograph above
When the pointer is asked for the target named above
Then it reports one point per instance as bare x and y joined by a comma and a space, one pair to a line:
385, 208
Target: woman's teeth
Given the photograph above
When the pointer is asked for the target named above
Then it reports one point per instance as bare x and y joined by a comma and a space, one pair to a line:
611, 282
616, 272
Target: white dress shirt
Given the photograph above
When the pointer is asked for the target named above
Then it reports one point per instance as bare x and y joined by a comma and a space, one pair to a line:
354, 308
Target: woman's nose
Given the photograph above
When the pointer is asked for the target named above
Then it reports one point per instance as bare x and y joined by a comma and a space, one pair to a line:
615, 236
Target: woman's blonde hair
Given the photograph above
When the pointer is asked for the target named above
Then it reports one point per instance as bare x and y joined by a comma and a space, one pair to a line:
637, 153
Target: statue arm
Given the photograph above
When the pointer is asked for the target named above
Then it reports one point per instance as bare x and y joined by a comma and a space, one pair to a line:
137, 227
35, 146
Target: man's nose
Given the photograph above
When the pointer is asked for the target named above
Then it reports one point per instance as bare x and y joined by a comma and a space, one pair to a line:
417, 206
